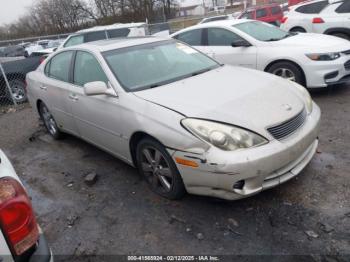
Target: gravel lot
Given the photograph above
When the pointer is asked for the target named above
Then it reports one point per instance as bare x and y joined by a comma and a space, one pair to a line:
309, 215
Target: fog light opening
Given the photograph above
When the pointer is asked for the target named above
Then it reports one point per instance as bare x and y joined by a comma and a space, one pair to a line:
239, 185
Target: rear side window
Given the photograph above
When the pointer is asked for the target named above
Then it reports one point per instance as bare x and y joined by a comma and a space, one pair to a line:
75, 40
193, 37
221, 37
313, 8
276, 10
60, 65
123, 32
87, 69
95, 36
261, 13
343, 8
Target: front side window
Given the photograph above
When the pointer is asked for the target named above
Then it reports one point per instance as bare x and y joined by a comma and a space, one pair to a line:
221, 37
262, 31
193, 37
276, 10
313, 8
95, 36
60, 65
87, 69
152, 65
75, 40
261, 13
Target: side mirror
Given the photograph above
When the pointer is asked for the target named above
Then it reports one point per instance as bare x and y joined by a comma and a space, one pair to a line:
241, 43
98, 88
55, 49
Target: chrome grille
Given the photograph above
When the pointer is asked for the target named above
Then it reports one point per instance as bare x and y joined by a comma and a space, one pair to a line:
287, 128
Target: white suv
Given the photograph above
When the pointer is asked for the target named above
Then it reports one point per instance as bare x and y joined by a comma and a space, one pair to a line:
330, 17
21, 239
106, 32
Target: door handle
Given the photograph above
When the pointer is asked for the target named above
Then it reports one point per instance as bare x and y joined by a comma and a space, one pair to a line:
73, 97
43, 88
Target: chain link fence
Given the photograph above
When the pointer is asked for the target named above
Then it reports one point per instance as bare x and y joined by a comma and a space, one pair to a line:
12, 85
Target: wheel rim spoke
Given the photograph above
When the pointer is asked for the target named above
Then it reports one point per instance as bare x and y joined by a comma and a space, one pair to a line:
147, 167
148, 156
164, 182
157, 158
165, 172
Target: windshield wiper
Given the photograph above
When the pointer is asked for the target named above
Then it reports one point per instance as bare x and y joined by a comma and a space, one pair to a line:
201, 72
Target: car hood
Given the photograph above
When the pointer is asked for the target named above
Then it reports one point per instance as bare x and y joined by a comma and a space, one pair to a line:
314, 43
238, 96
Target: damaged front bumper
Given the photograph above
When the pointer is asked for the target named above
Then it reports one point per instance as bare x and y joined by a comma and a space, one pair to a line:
239, 174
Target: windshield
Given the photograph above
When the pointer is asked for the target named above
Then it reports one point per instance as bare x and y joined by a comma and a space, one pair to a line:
262, 31
152, 65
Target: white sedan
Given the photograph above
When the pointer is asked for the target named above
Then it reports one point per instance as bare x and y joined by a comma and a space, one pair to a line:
21, 239
312, 60
187, 122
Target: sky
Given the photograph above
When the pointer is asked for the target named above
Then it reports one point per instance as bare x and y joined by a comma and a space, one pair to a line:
12, 9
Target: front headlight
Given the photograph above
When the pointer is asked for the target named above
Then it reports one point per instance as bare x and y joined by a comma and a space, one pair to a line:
324, 57
306, 95
225, 137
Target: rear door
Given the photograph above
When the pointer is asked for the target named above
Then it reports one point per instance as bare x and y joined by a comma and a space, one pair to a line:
55, 90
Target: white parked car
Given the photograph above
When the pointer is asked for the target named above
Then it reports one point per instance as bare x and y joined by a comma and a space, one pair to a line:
187, 122
106, 32
331, 17
312, 60
52, 46
21, 239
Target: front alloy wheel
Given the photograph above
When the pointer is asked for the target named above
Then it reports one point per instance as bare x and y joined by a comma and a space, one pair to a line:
159, 170
287, 70
49, 121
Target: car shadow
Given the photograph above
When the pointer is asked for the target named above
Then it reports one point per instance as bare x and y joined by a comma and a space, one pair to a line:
329, 91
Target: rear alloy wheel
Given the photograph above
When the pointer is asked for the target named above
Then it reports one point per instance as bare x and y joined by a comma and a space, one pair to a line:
159, 170
49, 122
287, 71
18, 91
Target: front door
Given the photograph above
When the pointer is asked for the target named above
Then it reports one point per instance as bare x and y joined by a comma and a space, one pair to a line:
97, 116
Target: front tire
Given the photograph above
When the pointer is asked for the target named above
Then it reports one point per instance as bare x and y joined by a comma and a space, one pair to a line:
49, 122
288, 71
159, 170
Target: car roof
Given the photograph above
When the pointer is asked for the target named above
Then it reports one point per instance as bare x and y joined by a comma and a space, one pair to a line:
117, 43
107, 27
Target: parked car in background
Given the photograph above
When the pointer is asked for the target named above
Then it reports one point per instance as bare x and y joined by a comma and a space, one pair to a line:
32, 48
51, 47
322, 16
13, 51
187, 122
21, 238
106, 32
312, 60
16, 73
271, 13
217, 10
215, 18
295, 2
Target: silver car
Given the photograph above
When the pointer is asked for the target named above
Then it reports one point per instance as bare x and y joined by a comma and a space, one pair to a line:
188, 123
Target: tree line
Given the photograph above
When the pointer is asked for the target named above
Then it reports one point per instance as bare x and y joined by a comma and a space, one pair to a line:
47, 17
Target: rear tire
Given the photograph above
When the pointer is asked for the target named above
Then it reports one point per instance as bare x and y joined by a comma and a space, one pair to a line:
298, 30
159, 170
288, 71
341, 35
49, 122
18, 91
